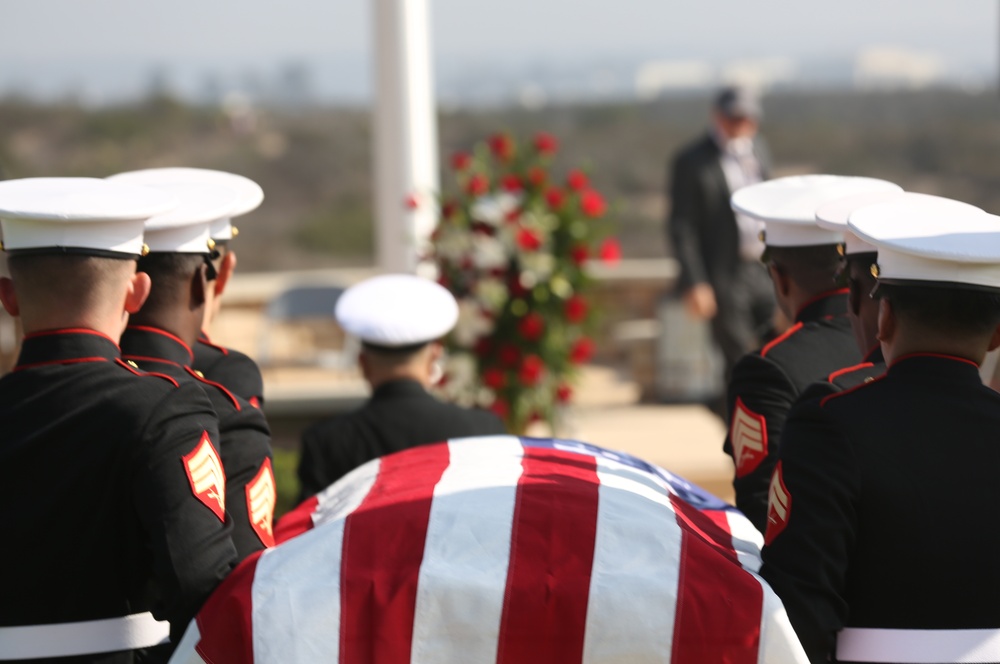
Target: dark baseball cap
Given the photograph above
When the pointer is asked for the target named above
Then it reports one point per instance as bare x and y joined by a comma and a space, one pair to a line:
738, 102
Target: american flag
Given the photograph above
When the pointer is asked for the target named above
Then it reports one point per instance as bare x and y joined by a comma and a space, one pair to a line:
501, 549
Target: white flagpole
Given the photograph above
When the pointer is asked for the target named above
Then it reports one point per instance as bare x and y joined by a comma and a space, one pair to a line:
405, 134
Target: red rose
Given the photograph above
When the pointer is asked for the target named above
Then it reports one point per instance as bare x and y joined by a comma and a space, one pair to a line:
532, 326
449, 209
537, 176
411, 202
576, 180
555, 197
564, 393
592, 203
494, 378
500, 407
511, 183
576, 309
483, 347
502, 146
478, 185
509, 355
610, 251
461, 161
545, 143
513, 215
528, 239
531, 370
582, 350
579, 253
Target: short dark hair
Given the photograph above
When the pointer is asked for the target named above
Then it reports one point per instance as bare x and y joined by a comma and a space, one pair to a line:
76, 279
171, 274
814, 268
944, 308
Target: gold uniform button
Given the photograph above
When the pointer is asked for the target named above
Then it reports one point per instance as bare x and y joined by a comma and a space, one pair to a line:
869, 379
199, 374
762, 236
132, 364
211, 244
875, 270
841, 251
236, 231
145, 250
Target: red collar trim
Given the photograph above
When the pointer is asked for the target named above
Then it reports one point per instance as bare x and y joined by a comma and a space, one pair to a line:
143, 358
846, 370
205, 341
940, 356
219, 386
821, 296
164, 333
70, 330
837, 395
774, 342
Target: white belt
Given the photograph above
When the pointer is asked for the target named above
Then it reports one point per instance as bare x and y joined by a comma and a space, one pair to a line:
139, 630
918, 646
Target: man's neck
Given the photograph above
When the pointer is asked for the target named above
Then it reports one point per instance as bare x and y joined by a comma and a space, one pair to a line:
184, 325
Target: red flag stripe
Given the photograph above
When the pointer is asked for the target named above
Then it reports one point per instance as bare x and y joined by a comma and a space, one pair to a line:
545, 602
382, 551
296, 522
225, 621
713, 626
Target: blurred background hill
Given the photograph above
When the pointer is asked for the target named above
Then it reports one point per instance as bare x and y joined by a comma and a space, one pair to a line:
314, 162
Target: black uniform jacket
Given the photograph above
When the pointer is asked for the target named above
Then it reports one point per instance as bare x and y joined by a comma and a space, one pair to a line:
400, 414
101, 516
245, 438
766, 383
231, 368
848, 377
884, 507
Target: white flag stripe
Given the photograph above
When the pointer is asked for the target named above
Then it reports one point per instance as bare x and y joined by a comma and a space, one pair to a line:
344, 496
296, 618
747, 540
467, 543
634, 580
284, 605
778, 642
185, 652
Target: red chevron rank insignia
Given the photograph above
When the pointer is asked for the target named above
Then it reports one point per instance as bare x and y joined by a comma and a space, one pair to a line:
208, 481
779, 506
261, 499
748, 433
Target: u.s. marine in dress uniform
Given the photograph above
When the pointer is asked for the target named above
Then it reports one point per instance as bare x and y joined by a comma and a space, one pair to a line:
399, 319
226, 366
110, 479
879, 538
160, 337
802, 260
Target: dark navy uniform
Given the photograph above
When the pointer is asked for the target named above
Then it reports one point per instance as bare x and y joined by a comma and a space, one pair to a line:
884, 505
245, 445
231, 368
765, 384
400, 414
109, 487
848, 377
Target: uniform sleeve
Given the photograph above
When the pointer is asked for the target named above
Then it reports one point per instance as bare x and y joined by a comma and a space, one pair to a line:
312, 469
686, 213
759, 397
179, 489
812, 525
238, 373
250, 488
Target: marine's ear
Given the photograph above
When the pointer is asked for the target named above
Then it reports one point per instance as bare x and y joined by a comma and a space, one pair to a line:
9, 297
139, 286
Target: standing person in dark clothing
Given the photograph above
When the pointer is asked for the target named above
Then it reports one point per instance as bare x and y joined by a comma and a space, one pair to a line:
399, 319
110, 483
227, 366
721, 279
803, 261
880, 539
161, 335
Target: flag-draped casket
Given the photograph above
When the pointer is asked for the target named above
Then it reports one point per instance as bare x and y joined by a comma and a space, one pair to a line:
501, 549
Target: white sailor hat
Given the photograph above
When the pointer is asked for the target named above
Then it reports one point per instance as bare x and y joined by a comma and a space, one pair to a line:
78, 215
185, 229
787, 206
834, 216
250, 193
939, 241
397, 310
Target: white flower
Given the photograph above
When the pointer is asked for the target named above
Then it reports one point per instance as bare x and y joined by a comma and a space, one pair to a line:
471, 324
453, 247
494, 208
492, 293
488, 253
538, 264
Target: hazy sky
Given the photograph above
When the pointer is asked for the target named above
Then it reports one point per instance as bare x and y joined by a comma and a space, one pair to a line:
90, 43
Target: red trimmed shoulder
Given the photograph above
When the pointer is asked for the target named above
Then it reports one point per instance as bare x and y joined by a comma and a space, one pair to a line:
201, 379
849, 390
147, 373
205, 341
784, 337
846, 370
75, 360
70, 330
